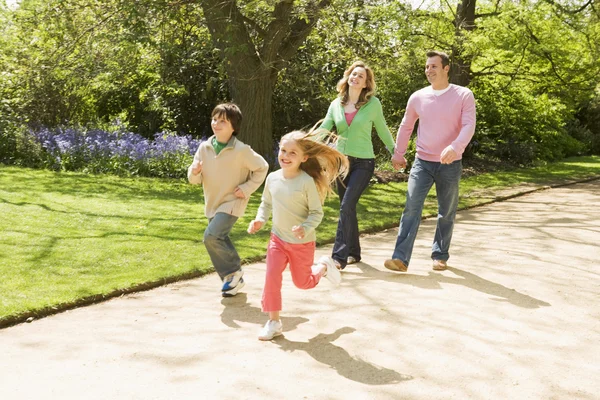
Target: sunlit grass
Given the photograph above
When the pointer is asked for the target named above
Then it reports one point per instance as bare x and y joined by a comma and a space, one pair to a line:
69, 236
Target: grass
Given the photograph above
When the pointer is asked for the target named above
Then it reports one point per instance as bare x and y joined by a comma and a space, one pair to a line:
70, 239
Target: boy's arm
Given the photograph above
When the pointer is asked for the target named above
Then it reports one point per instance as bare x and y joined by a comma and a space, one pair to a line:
259, 169
195, 179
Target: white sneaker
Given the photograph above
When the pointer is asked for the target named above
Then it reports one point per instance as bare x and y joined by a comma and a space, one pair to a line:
232, 281
333, 274
270, 330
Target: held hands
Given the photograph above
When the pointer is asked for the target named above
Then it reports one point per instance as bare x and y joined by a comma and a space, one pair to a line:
255, 226
298, 231
399, 165
239, 193
448, 155
196, 167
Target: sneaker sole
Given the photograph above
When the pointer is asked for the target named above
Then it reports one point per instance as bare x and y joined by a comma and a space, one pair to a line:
233, 291
263, 339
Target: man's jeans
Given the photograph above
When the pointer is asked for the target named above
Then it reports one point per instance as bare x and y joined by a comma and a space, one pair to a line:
423, 175
223, 255
346, 238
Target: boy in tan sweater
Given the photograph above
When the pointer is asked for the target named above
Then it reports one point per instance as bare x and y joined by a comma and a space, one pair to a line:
229, 171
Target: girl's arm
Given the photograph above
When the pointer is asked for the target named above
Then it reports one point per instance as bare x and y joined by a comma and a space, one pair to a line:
315, 208
264, 211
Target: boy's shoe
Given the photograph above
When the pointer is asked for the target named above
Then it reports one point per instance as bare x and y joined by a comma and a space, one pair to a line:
395, 265
233, 283
233, 291
333, 273
270, 330
440, 265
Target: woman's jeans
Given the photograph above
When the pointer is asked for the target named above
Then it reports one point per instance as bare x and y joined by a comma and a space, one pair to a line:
346, 238
222, 253
423, 175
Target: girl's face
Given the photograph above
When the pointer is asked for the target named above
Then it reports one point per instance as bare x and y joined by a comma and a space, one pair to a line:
221, 127
290, 155
358, 78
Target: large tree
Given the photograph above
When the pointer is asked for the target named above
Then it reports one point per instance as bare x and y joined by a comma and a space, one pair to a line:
256, 40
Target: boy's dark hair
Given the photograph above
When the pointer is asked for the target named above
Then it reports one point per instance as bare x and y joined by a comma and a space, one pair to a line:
440, 54
232, 113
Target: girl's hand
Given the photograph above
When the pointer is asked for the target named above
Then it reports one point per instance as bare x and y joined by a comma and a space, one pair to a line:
239, 193
255, 226
298, 231
196, 167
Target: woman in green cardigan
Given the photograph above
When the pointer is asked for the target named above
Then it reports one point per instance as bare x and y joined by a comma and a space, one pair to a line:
354, 113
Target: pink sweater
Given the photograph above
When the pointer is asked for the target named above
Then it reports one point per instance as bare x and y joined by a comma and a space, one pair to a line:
446, 120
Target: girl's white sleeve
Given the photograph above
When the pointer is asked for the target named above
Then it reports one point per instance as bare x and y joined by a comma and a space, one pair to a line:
315, 208
266, 204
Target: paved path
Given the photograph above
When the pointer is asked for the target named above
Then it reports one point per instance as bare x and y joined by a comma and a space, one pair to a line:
516, 317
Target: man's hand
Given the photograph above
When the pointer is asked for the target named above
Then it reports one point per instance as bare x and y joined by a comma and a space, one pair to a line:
255, 226
448, 155
196, 167
239, 193
399, 165
298, 231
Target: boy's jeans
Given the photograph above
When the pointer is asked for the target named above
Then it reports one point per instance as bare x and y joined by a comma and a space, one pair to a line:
223, 255
423, 175
347, 237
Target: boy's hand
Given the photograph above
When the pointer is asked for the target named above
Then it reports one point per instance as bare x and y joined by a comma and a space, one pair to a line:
298, 231
239, 193
255, 226
196, 167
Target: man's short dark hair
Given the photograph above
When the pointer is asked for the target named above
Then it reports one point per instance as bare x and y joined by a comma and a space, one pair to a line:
232, 113
440, 54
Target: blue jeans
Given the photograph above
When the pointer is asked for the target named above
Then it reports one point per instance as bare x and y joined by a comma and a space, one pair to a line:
423, 175
222, 253
346, 238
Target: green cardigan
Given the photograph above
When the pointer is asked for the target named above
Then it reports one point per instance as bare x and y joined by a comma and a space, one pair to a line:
355, 140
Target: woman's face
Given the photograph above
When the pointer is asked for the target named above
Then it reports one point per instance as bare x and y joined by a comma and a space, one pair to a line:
358, 78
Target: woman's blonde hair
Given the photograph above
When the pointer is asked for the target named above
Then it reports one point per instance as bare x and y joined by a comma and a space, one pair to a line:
366, 93
324, 163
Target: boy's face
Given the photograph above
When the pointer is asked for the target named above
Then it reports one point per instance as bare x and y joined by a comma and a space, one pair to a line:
221, 127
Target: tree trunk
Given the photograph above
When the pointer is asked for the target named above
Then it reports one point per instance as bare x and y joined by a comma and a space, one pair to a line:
254, 95
460, 68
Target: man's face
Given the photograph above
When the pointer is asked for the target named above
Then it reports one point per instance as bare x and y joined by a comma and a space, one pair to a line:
436, 74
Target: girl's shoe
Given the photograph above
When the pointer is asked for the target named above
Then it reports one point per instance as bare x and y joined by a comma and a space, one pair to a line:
270, 330
333, 273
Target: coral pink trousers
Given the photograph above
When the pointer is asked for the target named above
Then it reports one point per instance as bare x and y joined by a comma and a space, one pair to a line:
300, 258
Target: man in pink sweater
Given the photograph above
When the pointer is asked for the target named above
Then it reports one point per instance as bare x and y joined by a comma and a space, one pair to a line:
446, 114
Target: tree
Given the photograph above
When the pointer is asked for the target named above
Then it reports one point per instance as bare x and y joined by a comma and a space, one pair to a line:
254, 48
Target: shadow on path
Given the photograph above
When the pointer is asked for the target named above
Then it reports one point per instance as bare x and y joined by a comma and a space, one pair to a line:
238, 309
433, 280
324, 351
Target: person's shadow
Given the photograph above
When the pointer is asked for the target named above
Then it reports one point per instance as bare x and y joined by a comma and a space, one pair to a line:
434, 280
238, 309
324, 351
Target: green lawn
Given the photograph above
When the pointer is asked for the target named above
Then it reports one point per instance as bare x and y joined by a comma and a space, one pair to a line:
69, 238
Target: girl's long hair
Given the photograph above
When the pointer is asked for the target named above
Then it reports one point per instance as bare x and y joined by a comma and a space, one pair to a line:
324, 164
366, 93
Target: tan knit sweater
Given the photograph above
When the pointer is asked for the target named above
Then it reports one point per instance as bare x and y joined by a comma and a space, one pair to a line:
237, 165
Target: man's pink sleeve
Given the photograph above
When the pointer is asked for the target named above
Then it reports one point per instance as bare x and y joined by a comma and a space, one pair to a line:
406, 128
467, 125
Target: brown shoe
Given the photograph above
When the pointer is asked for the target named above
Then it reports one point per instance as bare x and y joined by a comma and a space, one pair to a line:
395, 265
440, 265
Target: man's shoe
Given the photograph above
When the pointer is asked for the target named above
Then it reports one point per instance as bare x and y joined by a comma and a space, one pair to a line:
395, 265
333, 273
440, 265
270, 330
